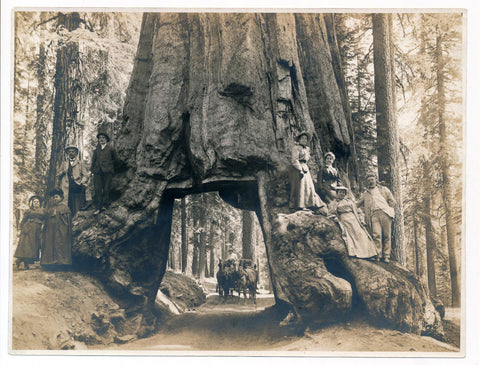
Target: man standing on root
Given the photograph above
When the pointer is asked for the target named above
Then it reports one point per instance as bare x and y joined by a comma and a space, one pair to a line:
102, 168
378, 204
73, 176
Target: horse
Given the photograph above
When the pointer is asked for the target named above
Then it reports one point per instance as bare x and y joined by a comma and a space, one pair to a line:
247, 281
227, 277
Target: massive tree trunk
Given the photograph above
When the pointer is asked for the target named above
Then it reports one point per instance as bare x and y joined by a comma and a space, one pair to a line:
388, 151
65, 108
447, 192
213, 104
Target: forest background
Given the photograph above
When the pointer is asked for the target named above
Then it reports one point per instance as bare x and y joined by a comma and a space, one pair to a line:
79, 65
414, 116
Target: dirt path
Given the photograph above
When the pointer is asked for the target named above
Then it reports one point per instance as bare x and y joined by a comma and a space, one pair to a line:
53, 310
237, 326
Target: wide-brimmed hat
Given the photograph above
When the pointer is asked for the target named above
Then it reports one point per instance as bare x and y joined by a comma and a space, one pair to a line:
329, 154
341, 187
103, 134
38, 197
71, 148
56, 192
303, 133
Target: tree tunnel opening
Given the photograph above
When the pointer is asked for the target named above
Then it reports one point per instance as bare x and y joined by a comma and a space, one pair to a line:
216, 223
336, 266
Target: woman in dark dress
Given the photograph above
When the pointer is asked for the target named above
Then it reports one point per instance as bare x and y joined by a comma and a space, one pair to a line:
328, 179
57, 247
31, 233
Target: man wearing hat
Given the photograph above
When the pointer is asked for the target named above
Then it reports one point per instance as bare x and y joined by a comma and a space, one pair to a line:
103, 160
378, 204
73, 176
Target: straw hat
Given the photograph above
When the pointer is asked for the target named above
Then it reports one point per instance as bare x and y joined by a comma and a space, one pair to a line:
303, 133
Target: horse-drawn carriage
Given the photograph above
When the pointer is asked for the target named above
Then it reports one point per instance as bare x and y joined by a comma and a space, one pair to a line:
241, 276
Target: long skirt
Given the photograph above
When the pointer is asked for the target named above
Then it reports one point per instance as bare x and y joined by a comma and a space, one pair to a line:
29, 244
358, 241
302, 191
57, 249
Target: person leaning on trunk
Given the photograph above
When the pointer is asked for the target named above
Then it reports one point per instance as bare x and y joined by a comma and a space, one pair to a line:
103, 162
378, 204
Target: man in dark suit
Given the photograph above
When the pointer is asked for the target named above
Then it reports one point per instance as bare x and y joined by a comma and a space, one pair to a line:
102, 168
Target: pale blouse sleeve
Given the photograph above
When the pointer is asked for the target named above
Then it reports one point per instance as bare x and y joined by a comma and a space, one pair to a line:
295, 158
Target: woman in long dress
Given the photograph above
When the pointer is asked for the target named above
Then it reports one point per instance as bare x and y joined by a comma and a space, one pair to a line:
328, 179
358, 241
57, 247
31, 233
302, 189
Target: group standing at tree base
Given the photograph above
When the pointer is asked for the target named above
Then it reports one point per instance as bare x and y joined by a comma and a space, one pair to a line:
49, 230
46, 232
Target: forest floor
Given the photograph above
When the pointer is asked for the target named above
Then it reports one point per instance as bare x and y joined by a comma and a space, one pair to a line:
51, 311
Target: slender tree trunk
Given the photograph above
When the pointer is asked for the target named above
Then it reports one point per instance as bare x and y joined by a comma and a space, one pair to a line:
173, 257
447, 193
27, 118
416, 249
211, 245
195, 259
430, 244
248, 235
202, 252
224, 241
388, 151
184, 247
420, 254
41, 120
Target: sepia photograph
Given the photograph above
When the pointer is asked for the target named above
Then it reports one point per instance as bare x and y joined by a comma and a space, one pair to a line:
237, 182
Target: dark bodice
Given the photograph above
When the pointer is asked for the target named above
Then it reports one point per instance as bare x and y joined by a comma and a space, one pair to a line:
330, 175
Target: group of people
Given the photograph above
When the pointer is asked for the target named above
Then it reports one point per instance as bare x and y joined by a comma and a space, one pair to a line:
333, 199
49, 229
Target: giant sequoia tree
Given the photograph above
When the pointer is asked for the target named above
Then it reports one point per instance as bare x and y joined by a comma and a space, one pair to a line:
213, 104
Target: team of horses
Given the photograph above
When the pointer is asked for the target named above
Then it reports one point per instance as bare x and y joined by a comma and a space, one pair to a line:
240, 276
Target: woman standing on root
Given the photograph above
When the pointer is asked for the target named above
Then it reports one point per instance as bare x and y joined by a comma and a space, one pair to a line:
358, 241
302, 190
57, 247
31, 233
328, 179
